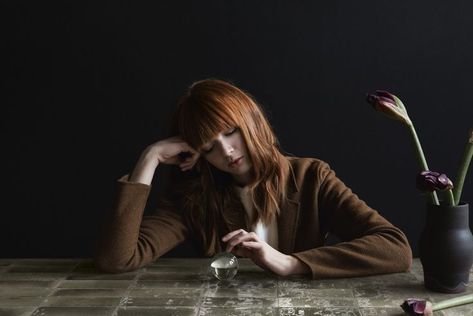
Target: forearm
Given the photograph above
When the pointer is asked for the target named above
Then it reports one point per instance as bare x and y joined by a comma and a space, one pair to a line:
286, 265
296, 266
121, 228
145, 168
383, 252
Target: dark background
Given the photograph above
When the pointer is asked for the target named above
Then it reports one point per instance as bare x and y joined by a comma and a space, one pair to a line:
86, 86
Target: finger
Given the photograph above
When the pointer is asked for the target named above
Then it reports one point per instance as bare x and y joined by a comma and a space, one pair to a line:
255, 245
231, 234
239, 239
185, 165
188, 148
241, 252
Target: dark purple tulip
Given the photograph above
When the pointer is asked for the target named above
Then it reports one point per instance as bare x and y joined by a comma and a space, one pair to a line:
380, 97
414, 306
386, 103
431, 181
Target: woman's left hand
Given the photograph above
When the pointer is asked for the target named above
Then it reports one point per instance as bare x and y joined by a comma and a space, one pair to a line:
249, 245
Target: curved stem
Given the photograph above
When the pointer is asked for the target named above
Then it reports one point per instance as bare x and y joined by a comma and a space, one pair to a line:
450, 198
462, 171
460, 300
422, 161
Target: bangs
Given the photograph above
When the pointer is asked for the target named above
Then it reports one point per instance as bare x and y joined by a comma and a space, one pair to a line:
202, 122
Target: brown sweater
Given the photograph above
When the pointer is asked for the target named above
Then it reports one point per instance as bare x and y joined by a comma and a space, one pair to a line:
318, 203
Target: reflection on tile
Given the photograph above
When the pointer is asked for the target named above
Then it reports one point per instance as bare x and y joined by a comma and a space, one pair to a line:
150, 284
222, 311
29, 284
241, 284
106, 276
161, 311
91, 292
57, 301
237, 292
16, 311
44, 261
20, 301
317, 301
291, 292
385, 311
335, 311
176, 269
241, 302
40, 268
32, 276
161, 301
254, 275
180, 262
23, 292
74, 311
175, 276
95, 284
171, 292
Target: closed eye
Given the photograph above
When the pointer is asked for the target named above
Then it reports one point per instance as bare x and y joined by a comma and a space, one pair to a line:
206, 151
228, 133
233, 130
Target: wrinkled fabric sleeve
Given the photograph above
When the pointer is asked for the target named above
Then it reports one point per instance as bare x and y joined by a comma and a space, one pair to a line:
129, 240
369, 243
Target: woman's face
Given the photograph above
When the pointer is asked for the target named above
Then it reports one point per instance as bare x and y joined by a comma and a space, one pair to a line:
228, 153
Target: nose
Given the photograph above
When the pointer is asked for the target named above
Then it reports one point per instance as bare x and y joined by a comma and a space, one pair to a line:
227, 148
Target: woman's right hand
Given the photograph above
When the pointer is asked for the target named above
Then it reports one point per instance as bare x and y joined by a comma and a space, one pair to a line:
173, 151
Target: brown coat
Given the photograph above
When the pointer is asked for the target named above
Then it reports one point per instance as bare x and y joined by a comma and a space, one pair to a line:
318, 203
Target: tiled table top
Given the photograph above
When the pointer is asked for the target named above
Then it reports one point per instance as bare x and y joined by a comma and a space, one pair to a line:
184, 287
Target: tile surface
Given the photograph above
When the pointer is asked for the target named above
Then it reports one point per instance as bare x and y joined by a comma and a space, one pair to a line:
181, 287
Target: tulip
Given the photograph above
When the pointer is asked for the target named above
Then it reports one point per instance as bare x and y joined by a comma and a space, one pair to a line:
387, 104
393, 107
462, 171
413, 306
431, 181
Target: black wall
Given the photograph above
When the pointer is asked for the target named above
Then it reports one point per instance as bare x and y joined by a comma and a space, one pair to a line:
86, 86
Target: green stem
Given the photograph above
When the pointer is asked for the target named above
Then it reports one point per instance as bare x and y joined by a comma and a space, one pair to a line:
450, 198
460, 300
421, 158
462, 171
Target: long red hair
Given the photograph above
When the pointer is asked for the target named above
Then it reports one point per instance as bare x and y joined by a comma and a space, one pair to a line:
207, 108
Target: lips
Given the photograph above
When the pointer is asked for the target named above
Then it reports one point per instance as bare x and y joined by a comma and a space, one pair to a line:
235, 162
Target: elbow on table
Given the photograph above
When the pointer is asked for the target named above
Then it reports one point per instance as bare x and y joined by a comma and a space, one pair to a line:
108, 266
404, 256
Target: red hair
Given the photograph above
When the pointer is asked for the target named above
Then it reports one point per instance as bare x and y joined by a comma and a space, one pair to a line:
207, 108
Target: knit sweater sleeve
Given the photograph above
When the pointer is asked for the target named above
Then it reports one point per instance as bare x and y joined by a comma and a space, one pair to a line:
369, 243
130, 240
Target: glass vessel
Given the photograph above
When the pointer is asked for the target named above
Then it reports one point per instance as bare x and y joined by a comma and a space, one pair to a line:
224, 266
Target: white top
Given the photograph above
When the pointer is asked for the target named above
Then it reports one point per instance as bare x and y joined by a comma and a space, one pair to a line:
267, 233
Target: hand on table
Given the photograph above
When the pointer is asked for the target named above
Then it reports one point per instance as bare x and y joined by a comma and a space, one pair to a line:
249, 245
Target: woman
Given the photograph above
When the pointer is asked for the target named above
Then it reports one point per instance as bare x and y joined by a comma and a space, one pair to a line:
237, 192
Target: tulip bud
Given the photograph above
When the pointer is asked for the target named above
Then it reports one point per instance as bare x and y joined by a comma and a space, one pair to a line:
389, 105
431, 181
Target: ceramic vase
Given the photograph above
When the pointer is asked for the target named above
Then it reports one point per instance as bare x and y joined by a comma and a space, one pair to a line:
446, 248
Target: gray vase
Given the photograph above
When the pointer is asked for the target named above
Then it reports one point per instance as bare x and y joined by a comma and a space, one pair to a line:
446, 248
